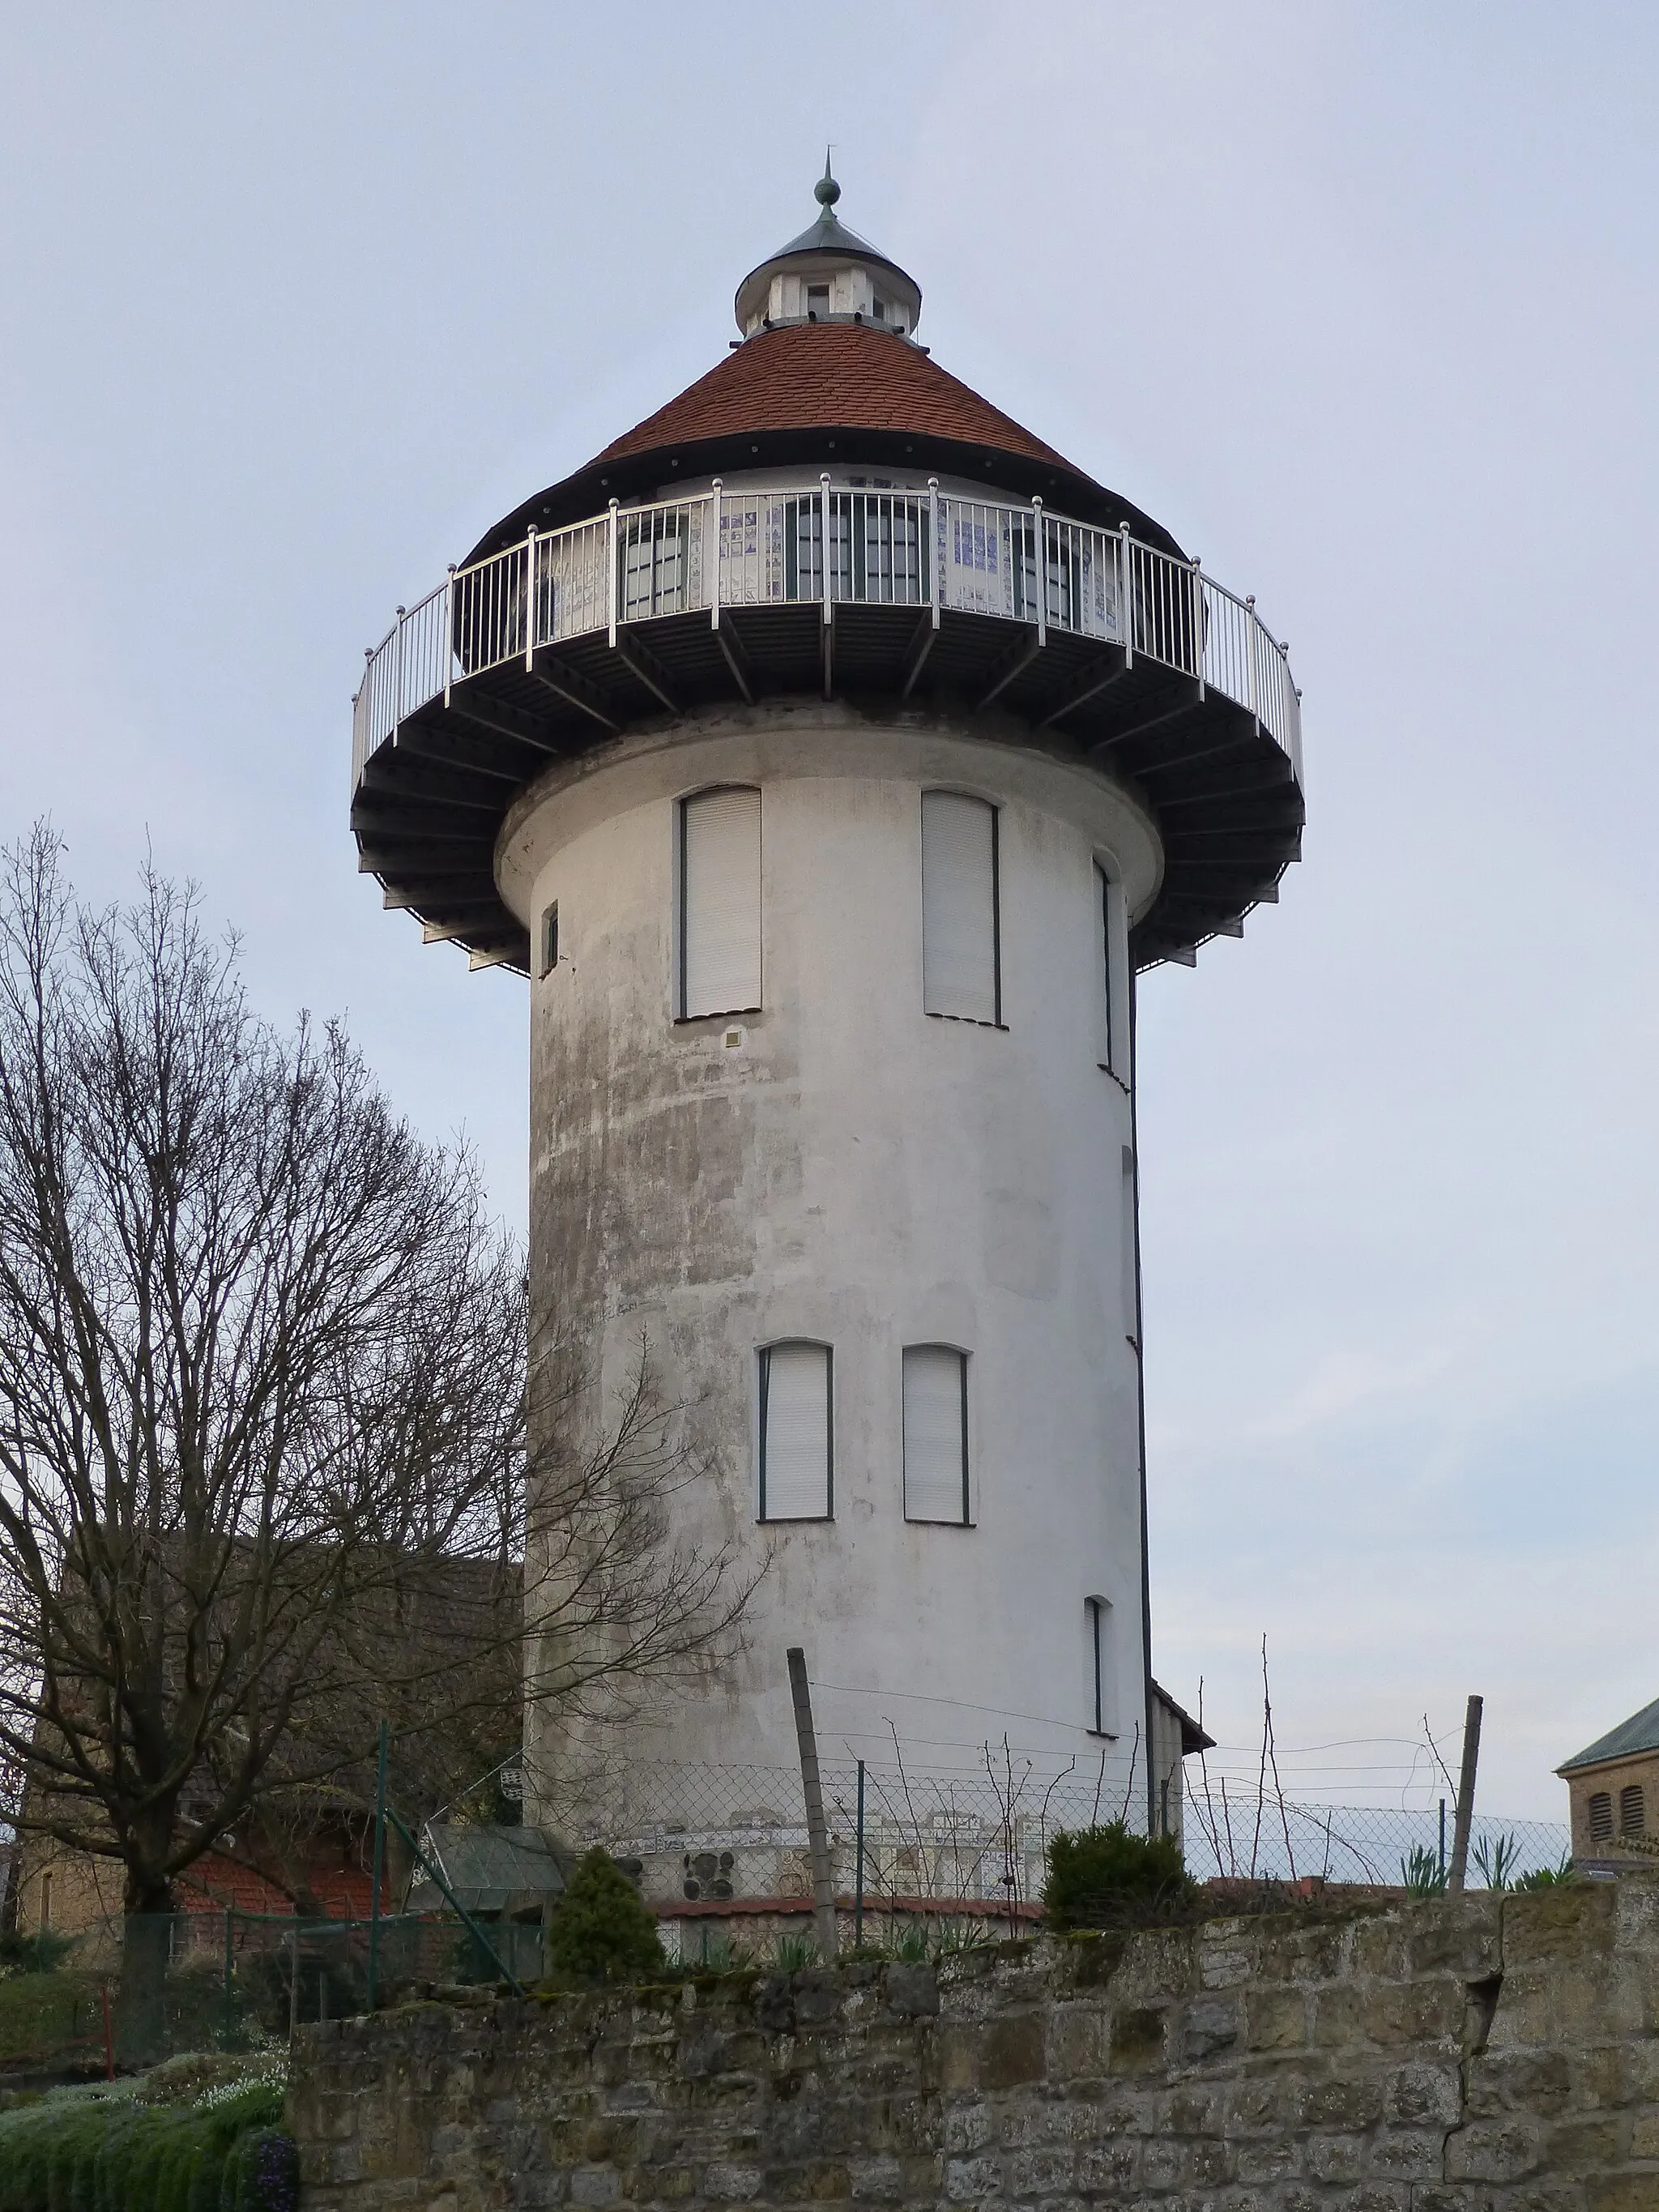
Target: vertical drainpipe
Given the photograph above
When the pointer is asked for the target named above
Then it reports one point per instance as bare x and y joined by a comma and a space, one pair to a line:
1140, 1412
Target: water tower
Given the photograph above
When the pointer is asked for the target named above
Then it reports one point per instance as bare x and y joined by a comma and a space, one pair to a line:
831, 754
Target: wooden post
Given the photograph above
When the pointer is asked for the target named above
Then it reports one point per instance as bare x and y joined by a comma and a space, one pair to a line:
817, 1835
1465, 1797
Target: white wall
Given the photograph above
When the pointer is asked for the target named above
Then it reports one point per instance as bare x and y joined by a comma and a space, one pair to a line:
862, 1173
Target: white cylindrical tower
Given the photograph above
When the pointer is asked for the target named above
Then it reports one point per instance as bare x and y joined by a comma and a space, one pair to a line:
831, 754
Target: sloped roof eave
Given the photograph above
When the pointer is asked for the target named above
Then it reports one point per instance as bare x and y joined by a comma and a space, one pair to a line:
1634, 1738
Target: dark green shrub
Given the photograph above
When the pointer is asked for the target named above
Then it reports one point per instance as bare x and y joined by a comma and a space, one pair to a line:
602, 1931
107, 2153
42, 1953
1107, 1877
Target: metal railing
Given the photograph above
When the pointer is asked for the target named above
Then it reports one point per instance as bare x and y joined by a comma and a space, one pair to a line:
806, 544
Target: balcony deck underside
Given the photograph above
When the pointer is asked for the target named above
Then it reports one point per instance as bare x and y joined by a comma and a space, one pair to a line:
431, 801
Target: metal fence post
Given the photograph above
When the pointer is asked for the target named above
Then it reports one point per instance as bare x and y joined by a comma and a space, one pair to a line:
1198, 627
230, 1964
1126, 597
398, 699
823, 541
858, 1881
1255, 695
713, 557
934, 563
1042, 574
379, 1875
530, 598
449, 629
613, 573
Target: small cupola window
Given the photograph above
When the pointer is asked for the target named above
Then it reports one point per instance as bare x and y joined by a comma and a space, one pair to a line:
828, 270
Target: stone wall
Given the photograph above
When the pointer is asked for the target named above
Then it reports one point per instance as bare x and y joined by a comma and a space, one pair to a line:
1477, 2055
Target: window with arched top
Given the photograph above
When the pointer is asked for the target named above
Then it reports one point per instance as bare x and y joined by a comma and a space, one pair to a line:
1633, 1810
1599, 1809
720, 902
797, 1432
935, 1390
1102, 1688
961, 908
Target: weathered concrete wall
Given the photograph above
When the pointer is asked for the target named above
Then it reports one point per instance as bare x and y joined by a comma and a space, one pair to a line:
855, 1173
1482, 2054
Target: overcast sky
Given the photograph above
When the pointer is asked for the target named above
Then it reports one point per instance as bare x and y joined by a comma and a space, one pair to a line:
1360, 301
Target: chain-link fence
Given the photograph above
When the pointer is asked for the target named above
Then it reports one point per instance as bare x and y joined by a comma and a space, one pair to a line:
225, 1980
905, 1837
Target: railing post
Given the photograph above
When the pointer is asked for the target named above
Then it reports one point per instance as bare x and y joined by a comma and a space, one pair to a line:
1042, 574
613, 571
1197, 627
1126, 596
713, 562
397, 696
1255, 696
449, 629
530, 597
934, 563
823, 541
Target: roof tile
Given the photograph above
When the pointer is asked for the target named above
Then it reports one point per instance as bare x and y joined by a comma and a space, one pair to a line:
830, 376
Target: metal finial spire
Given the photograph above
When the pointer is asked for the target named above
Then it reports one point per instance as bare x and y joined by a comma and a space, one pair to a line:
827, 192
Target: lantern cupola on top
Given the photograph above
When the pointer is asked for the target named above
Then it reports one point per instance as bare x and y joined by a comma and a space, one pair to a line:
828, 273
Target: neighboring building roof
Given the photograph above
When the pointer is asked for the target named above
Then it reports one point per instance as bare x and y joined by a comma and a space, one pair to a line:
1194, 1736
778, 397
491, 1869
1629, 1740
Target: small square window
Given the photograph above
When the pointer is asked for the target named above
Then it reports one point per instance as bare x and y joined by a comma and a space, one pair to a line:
817, 298
551, 939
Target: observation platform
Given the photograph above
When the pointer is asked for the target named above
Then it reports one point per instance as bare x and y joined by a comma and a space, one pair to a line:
1111, 651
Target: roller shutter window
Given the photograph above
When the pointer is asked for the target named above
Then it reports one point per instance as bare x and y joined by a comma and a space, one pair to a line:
1633, 1810
720, 902
1601, 1816
961, 955
935, 1393
1103, 1701
1106, 1029
797, 1433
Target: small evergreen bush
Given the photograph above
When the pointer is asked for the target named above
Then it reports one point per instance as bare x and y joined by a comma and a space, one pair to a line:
602, 1931
1107, 1877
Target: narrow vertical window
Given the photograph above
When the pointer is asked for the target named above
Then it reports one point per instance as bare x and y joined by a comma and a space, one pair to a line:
551, 939
1601, 1816
961, 951
1098, 1613
1131, 1291
935, 1419
797, 1432
46, 1900
1108, 1009
1633, 1810
719, 902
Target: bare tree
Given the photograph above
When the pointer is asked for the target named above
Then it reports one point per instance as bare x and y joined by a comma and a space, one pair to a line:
262, 1389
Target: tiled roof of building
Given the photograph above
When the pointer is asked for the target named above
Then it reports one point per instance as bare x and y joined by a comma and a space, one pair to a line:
1629, 1740
830, 376
837, 395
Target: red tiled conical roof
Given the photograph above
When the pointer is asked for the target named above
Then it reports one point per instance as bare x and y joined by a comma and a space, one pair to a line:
835, 394
830, 376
